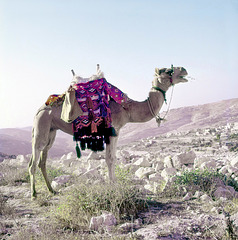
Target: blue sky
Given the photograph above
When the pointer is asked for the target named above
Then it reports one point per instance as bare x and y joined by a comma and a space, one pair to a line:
41, 41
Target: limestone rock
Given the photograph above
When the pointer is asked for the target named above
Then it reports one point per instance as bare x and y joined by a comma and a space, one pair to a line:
224, 170
158, 166
234, 219
142, 162
156, 187
205, 198
232, 170
168, 172
198, 194
222, 192
156, 177
188, 196
100, 222
168, 162
234, 162
200, 160
94, 156
183, 159
71, 155
92, 173
60, 181
209, 165
129, 226
144, 172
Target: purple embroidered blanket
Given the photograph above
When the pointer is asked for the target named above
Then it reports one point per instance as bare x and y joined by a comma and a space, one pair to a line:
94, 128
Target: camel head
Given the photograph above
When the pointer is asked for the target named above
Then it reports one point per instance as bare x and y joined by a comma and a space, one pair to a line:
165, 77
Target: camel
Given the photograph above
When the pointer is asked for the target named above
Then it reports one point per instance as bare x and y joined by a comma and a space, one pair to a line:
47, 121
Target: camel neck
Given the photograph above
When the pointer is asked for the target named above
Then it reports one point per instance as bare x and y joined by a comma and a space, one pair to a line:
141, 111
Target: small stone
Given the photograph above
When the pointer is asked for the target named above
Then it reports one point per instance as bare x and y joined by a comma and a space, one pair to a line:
234, 162
205, 198
188, 196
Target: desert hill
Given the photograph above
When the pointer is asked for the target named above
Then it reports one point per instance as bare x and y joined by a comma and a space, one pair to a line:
16, 141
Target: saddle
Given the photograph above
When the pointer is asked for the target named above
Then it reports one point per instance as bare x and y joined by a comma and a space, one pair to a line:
86, 106
93, 128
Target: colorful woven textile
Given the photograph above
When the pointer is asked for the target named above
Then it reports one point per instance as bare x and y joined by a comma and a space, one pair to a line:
54, 98
93, 128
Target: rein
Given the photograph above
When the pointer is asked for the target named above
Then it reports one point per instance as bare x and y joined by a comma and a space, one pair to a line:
157, 117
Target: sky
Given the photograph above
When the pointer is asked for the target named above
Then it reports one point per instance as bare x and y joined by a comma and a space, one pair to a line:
41, 41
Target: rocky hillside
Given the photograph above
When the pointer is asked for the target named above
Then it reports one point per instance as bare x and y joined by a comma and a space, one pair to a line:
18, 141
189, 180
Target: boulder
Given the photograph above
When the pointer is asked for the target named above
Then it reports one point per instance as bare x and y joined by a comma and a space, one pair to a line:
156, 187
209, 165
104, 221
156, 177
222, 192
224, 170
234, 219
183, 159
129, 226
168, 162
71, 155
232, 170
168, 172
144, 172
200, 160
158, 166
60, 181
142, 162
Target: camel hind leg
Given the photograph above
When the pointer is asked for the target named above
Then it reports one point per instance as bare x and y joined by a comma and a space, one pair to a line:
42, 138
32, 169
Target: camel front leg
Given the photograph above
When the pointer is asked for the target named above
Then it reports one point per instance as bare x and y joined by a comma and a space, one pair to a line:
43, 158
111, 157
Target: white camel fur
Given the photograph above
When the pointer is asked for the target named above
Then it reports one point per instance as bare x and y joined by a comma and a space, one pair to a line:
47, 121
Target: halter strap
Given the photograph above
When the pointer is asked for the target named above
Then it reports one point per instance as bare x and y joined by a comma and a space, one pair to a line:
163, 92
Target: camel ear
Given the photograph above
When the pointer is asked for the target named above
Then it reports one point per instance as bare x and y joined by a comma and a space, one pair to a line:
157, 71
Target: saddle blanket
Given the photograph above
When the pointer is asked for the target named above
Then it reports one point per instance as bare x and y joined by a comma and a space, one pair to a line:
93, 128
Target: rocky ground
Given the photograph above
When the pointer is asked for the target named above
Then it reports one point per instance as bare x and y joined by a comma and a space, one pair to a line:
194, 213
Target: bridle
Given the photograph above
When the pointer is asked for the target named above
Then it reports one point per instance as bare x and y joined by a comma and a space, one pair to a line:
157, 116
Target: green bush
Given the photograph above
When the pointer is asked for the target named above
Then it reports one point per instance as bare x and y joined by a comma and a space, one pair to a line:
123, 200
13, 175
204, 180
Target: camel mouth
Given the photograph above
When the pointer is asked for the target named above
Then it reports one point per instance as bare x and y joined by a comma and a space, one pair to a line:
182, 77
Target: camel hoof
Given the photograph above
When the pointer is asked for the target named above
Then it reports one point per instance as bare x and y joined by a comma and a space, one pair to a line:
33, 198
54, 192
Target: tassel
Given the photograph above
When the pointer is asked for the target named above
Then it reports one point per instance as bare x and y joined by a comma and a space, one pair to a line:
93, 127
83, 144
94, 144
78, 150
114, 134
